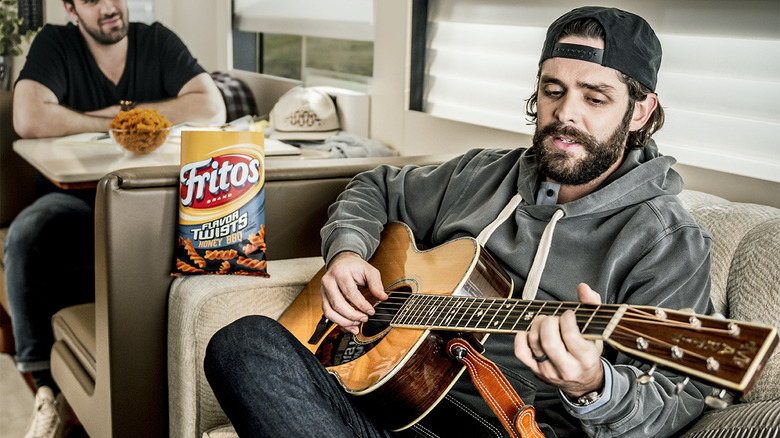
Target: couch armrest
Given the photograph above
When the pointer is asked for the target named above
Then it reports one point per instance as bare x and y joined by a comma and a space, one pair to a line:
756, 419
201, 305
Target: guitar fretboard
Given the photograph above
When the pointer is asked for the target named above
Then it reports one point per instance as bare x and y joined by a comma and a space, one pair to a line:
490, 315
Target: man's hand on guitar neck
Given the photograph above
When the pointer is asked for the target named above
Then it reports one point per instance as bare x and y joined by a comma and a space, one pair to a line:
557, 353
342, 301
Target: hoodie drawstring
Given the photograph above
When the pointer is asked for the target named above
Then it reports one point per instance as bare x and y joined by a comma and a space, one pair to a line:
540, 259
535, 274
500, 219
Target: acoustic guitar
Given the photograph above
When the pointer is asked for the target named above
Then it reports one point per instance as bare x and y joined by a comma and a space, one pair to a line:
397, 365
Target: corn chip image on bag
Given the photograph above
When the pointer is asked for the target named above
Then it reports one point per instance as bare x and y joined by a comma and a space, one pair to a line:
221, 204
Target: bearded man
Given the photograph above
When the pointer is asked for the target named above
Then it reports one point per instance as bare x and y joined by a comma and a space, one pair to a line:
76, 75
73, 81
588, 213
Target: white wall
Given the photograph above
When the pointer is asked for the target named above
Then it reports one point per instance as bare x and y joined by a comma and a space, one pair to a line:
203, 25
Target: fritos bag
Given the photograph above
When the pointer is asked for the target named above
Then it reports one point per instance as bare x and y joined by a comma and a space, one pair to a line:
221, 204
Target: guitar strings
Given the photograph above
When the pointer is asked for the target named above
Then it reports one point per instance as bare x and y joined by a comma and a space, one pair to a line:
449, 304
447, 307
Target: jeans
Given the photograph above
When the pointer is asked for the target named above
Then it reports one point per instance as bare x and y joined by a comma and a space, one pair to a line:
269, 385
49, 265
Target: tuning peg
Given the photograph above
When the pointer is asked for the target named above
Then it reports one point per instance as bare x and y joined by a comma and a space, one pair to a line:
694, 321
647, 377
712, 364
680, 386
734, 329
717, 401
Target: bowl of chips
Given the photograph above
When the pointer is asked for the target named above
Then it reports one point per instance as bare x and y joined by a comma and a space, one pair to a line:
140, 130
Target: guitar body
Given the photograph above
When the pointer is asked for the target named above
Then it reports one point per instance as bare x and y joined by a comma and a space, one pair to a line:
399, 374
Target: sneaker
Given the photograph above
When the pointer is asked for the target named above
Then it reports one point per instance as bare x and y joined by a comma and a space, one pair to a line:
51, 418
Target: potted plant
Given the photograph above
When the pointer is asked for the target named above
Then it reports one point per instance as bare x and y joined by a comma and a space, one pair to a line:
10, 40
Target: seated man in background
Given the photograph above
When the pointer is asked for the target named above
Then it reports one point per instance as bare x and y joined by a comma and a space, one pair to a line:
622, 236
76, 75
72, 82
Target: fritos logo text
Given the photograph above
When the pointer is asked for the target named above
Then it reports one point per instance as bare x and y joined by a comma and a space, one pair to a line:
216, 181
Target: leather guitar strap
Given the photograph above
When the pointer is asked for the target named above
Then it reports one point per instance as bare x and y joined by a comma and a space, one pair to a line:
516, 417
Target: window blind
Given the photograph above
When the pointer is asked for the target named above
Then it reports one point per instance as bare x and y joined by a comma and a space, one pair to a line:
719, 81
342, 19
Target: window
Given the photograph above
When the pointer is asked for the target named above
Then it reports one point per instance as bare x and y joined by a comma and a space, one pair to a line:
476, 62
320, 42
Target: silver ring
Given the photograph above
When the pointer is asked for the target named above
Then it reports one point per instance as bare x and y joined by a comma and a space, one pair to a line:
541, 358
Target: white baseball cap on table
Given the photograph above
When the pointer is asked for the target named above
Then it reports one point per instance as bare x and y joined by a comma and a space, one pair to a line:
304, 114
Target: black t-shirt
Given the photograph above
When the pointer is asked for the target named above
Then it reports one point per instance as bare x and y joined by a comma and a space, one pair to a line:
158, 65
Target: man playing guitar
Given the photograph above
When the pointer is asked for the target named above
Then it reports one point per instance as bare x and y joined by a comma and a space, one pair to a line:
588, 213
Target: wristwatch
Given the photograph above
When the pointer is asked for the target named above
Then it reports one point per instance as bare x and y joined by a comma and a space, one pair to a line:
587, 399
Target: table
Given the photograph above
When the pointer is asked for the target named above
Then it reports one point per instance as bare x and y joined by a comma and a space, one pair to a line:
79, 161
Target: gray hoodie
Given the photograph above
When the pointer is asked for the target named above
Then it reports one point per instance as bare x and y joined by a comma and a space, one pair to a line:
631, 240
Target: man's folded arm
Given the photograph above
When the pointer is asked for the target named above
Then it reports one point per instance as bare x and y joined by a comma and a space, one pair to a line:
38, 113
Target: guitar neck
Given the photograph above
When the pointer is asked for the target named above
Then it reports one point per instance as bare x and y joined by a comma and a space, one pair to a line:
496, 315
727, 353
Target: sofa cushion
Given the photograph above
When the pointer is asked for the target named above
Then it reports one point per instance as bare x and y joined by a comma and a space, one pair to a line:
754, 291
748, 420
201, 305
75, 326
728, 223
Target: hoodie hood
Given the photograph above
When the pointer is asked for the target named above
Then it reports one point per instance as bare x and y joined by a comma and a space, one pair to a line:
644, 174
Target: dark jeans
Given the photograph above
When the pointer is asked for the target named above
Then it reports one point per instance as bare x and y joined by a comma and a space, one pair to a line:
269, 385
49, 265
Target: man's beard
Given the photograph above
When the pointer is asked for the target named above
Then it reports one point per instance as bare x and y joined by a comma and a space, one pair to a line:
555, 164
103, 37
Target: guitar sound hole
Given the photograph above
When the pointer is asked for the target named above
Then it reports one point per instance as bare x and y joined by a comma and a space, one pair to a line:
385, 312
340, 346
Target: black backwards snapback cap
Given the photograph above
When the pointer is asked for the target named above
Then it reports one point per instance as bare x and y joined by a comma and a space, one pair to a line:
630, 47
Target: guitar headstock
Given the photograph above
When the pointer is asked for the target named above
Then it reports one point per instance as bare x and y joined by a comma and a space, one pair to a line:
725, 353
